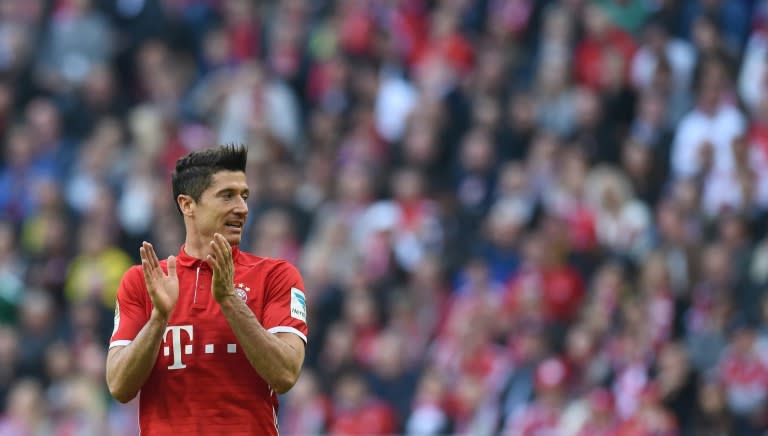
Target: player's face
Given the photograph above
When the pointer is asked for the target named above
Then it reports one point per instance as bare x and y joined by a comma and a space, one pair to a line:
222, 207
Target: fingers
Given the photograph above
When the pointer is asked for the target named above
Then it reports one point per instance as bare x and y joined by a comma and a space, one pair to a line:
145, 269
219, 251
172, 266
220, 258
146, 258
149, 263
146, 264
224, 244
151, 255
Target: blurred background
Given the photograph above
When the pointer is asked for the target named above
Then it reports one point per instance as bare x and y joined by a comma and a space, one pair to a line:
513, 217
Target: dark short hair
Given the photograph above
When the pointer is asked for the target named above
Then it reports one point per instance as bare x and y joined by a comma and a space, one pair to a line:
194, 172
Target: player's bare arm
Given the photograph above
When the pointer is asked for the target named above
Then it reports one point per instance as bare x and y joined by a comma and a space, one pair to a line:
276, 357
129, 366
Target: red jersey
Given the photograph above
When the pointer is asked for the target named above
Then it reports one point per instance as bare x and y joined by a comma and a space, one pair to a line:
202, 382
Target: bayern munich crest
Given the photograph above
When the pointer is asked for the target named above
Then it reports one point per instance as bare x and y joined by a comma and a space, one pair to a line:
242, 291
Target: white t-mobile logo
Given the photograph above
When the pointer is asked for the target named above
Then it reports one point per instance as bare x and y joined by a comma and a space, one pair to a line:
176, 344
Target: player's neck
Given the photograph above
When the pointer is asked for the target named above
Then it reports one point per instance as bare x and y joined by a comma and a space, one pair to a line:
197, 246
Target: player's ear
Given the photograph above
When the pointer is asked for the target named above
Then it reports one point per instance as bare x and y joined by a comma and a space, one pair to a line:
186, 204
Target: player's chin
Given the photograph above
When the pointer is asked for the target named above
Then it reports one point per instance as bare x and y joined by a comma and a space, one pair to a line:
232, 234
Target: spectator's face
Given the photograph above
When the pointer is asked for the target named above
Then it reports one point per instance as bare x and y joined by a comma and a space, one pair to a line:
761, 114
686, 196
587, 108
360, 309
428, 275
656, 38
216, 47
354, 184
477, 152
579, 345
236, 11
388, 354
80, 6
43, 119
558, 26
504, 226
420, 147
637, 160
339, 344
91, 361
477, 271
732, 231
711, 399
574, 173
222, 207
7, 238
513, 179
94, 238
19, 149
351, 391
408, 185
470, 391
655, 274
612, 69
522, 112
743, 341
705, 35
716, 264
305, 389
596, 22
609, 280
9, 346
59, 361
552, 75
274, 233
492, 66
486, 112
709, 94
25, 401
431, 387
534, 250
37, 313
673, 363
651, 109
611, 199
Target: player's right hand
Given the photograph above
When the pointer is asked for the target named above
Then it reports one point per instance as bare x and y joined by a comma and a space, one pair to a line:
163, 288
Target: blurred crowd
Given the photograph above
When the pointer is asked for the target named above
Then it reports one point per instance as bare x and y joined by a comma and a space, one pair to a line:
517, 217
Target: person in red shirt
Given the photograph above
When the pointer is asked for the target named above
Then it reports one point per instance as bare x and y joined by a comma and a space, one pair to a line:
209, 337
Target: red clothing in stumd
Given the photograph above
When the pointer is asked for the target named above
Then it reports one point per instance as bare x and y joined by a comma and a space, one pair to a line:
202, 382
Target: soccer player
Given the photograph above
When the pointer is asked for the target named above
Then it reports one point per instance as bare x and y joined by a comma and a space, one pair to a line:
211, 336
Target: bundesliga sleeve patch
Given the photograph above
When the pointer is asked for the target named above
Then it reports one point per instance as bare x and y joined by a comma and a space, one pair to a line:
298, 305
117, 317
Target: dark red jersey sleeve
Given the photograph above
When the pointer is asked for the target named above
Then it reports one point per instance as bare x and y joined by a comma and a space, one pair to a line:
285, 307
131, 308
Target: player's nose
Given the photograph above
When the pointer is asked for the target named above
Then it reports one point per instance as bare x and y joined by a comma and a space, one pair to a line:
242, 206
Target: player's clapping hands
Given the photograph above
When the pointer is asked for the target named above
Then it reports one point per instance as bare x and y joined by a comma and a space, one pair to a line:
163, 288
223, 268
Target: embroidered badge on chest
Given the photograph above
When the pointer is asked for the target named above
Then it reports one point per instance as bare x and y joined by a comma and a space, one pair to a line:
242, 291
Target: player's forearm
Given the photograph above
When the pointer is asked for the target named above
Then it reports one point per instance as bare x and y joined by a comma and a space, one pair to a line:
129, 367
275, 360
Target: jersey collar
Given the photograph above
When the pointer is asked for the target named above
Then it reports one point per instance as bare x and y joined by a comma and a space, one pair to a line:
188, 261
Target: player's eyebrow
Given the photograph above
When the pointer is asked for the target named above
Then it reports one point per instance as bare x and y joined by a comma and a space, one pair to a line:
225, 191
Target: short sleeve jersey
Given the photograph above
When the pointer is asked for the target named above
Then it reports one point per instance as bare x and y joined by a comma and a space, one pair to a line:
202, 382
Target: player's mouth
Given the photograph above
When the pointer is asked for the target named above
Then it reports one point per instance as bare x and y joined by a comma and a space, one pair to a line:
235, 226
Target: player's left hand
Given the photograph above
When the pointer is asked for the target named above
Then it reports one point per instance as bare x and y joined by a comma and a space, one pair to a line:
223, 268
